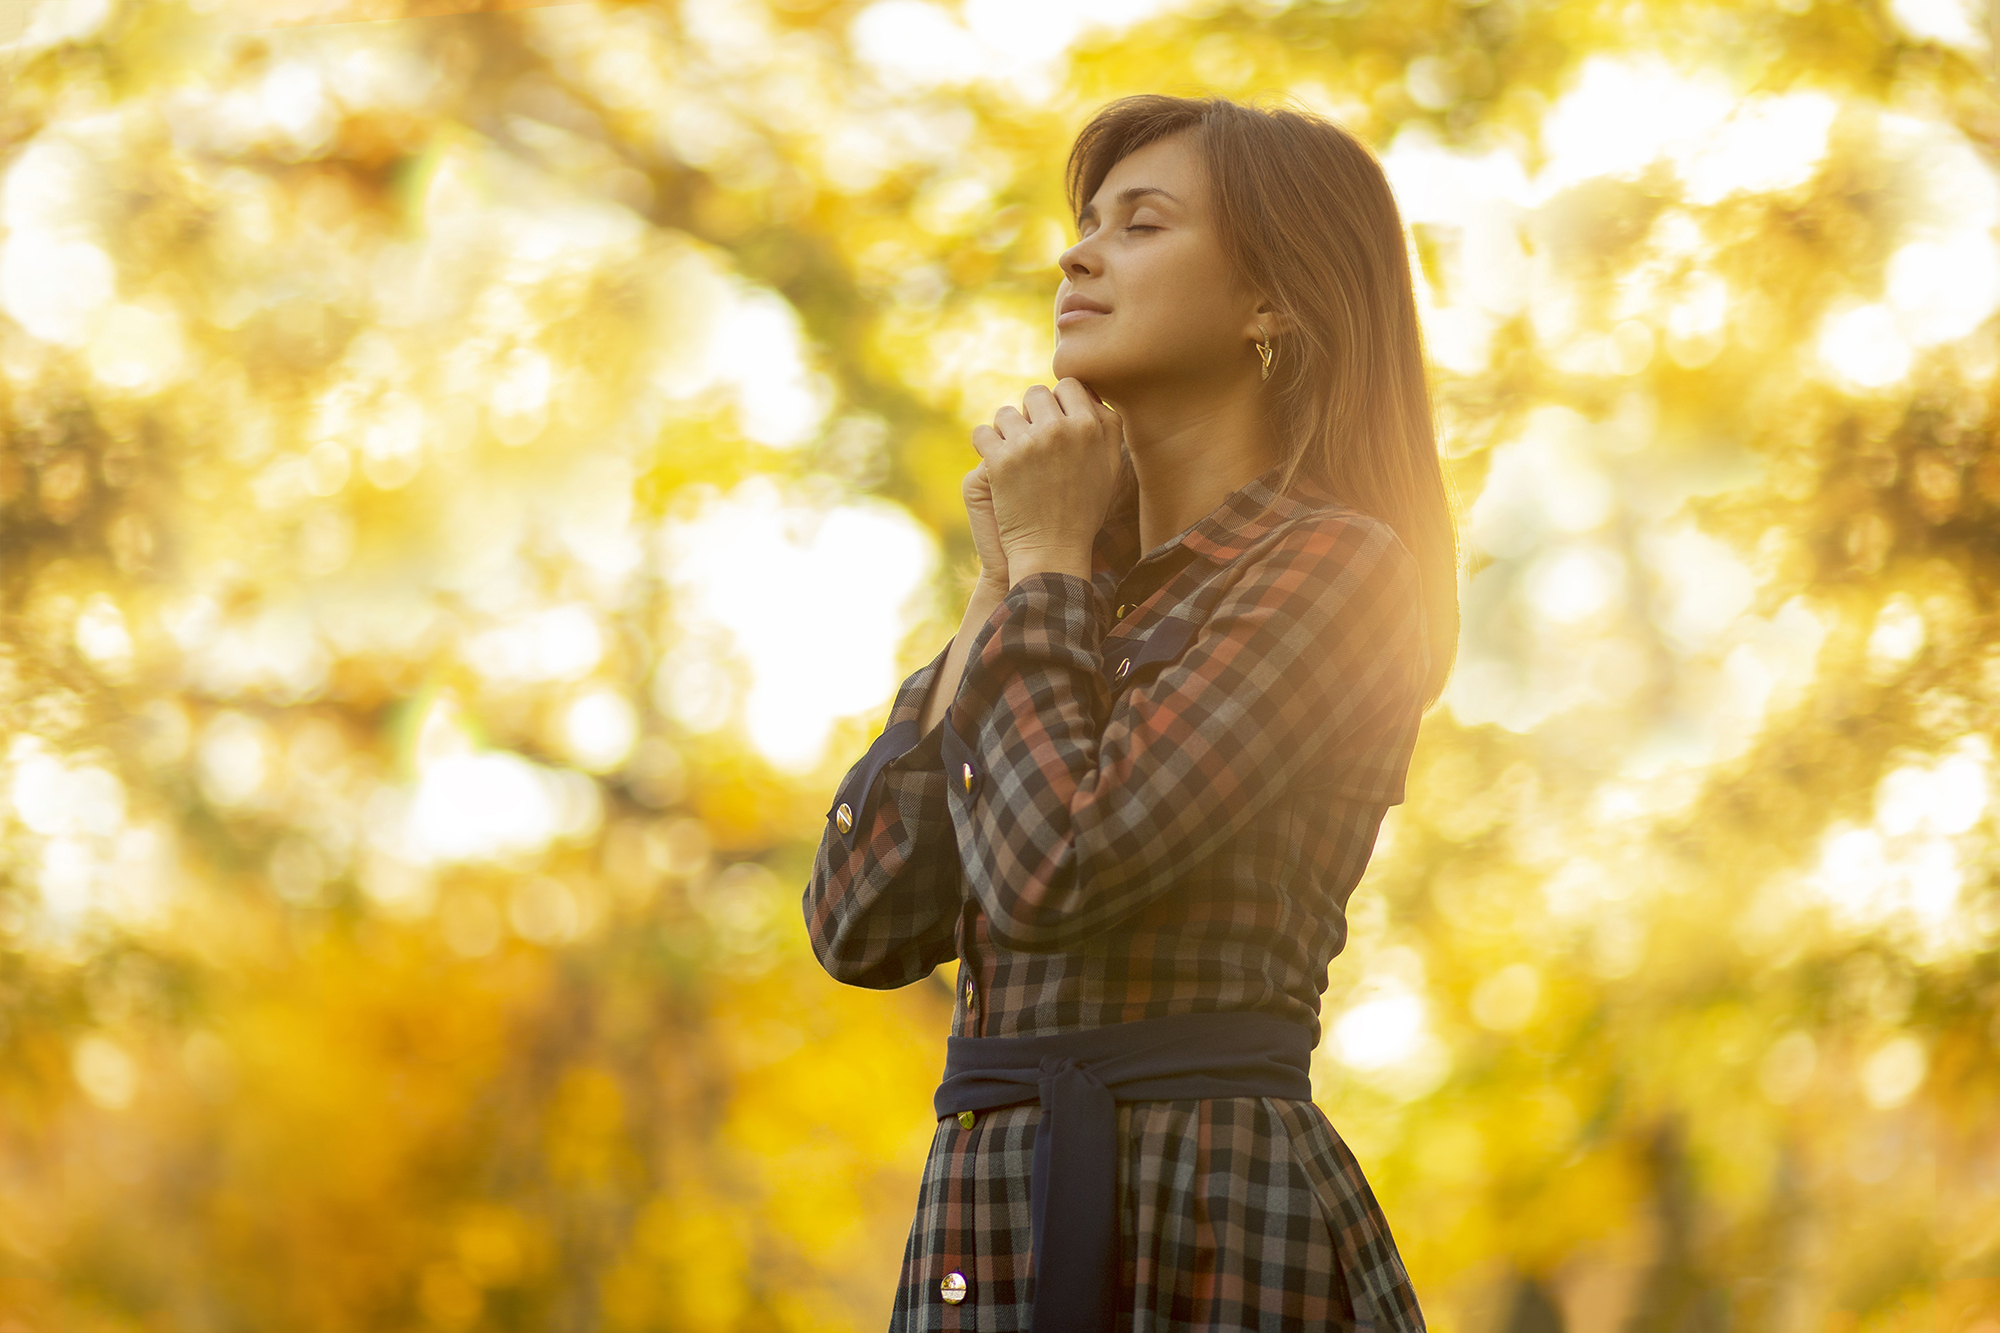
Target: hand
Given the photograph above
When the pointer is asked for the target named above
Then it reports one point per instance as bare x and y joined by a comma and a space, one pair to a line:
978, 490
1051, 466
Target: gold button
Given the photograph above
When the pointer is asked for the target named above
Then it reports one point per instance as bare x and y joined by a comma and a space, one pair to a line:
968, 777
1124, 668
969, 997
952, 1288
1123, 607
965, 1119
844, 817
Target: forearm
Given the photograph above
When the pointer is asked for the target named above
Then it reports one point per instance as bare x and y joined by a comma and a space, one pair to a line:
885, 890
1118, 782
979, 608
882, 912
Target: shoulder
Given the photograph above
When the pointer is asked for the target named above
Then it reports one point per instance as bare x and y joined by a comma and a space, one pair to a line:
1344, 581
1326, 545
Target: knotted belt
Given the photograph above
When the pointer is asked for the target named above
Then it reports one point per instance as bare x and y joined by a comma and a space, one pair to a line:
1079, 1078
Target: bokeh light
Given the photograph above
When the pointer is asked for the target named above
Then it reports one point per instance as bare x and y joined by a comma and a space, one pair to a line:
473, 481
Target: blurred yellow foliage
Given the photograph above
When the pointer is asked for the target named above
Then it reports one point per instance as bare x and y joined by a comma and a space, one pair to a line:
472, 481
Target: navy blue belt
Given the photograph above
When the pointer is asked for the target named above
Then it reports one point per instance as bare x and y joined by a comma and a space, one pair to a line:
1079, 1078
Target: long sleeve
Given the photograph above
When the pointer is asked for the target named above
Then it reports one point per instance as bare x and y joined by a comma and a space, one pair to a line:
1077, 794
882, 904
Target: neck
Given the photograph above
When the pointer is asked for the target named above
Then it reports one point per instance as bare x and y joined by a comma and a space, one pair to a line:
1190, 450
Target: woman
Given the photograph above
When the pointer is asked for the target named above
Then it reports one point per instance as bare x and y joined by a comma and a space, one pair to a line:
1134, 792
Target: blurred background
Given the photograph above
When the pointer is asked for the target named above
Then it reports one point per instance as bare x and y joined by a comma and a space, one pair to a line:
473, 480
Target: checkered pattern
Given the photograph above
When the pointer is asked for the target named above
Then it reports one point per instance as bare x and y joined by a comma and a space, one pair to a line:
885, 914
1235, 1213
1167, 811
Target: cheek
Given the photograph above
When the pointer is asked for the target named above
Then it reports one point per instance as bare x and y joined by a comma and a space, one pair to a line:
1182, 302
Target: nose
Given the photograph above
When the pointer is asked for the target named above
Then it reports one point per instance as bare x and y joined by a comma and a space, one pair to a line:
1079, 261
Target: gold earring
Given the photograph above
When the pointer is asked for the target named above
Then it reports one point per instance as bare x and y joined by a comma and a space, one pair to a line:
1264, 352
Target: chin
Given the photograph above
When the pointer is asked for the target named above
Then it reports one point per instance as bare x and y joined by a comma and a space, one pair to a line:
1073, 362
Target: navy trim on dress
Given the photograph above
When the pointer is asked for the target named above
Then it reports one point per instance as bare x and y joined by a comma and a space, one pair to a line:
1079, 1078
894, 742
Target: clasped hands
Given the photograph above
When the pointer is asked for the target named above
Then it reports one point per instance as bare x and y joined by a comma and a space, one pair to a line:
1044, 483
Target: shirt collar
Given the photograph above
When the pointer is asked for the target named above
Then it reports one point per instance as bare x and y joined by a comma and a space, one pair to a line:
1224, 533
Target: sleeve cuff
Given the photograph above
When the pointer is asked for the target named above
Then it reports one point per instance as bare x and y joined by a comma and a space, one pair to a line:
899, 744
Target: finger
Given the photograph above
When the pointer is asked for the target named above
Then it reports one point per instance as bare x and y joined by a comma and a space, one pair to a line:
1110, 426
1010, 423
1041, 405
1077, 399
1114, 427
984, 438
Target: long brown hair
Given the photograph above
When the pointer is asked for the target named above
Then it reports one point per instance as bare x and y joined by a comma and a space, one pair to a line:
1308, 220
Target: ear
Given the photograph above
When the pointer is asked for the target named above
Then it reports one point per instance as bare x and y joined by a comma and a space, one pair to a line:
1273, 321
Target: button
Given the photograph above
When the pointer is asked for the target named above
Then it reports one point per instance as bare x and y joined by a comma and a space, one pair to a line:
1124, 669
969, 996
968, 777
844, 817
952, 1288
965, 1119
1123, 607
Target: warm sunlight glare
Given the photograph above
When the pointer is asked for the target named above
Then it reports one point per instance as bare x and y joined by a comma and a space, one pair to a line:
816, 600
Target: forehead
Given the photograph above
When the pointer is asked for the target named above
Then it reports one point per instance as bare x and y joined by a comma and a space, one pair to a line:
1170, 164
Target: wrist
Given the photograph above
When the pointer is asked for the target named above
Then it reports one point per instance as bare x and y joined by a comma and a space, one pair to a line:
991, 586
1021, 565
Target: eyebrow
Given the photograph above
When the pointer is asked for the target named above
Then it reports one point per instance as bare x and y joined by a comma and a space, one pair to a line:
1126, 197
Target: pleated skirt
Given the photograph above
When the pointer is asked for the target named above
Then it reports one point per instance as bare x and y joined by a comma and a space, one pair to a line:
1243, 1213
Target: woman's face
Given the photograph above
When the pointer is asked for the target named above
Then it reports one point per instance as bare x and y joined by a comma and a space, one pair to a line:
1146, 297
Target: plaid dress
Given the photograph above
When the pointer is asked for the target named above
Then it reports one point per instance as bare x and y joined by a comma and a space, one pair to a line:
1152, 794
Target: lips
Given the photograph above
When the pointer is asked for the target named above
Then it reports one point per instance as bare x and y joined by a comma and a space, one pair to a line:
1076, 308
